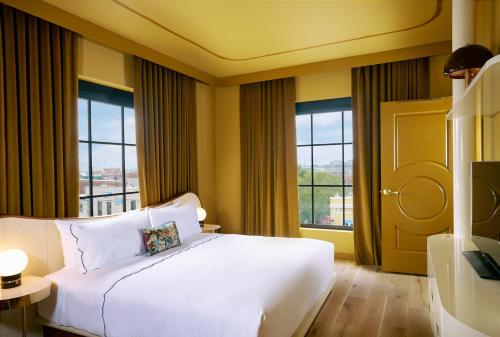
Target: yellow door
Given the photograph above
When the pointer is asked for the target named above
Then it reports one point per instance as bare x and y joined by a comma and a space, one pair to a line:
416, 180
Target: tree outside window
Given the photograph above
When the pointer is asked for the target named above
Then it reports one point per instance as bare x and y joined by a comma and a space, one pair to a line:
324, 159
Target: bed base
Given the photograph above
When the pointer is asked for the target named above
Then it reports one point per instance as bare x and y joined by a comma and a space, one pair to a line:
51, 329
308, 320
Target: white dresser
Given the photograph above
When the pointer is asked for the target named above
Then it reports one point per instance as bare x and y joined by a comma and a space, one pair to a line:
461, 303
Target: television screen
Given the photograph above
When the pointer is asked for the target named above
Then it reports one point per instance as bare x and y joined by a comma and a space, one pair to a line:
486, 207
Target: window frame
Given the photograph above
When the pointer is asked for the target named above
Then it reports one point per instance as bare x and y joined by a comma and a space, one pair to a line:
103, 94
324, 106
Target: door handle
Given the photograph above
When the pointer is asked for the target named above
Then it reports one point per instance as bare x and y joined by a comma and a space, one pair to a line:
387, 192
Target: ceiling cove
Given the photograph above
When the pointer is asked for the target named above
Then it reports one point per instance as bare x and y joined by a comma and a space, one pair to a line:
437, 12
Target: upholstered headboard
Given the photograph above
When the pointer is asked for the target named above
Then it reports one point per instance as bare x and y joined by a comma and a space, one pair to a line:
40, 239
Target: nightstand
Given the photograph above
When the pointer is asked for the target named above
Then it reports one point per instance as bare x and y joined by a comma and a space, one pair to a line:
210, 228
32, 290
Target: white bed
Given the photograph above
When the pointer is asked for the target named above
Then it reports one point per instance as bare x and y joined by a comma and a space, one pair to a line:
211, 285
214, 285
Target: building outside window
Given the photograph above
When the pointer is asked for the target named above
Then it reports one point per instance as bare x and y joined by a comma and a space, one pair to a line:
324, 159
107, 150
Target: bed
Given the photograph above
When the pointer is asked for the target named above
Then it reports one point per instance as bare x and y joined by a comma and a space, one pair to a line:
211, 285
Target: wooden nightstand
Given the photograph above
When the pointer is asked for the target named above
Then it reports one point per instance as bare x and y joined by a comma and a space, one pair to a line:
210, 228
32, 290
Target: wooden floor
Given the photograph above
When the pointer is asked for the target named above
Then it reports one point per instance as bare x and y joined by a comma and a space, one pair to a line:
368, 303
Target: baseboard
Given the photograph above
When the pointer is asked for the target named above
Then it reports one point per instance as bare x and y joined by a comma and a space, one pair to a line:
51, 332
345, 256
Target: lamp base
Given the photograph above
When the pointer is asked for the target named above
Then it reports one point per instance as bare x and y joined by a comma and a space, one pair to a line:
202, 223
11, 281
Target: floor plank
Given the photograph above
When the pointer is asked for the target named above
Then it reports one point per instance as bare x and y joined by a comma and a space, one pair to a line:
346, 275
366, 302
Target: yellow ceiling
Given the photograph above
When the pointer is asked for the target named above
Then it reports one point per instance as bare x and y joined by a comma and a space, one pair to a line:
232, 37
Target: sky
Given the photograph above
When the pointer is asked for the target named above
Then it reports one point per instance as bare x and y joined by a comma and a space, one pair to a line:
327, 128
106, 127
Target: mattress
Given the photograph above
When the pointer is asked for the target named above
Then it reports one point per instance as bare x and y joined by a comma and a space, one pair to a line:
214, 285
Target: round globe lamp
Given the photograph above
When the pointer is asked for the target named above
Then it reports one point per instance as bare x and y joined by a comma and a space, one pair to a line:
202, 215
12, 264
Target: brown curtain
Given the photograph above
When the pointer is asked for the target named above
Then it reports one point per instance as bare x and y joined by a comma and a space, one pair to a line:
404, 80
165, 110
269, 158
38, 117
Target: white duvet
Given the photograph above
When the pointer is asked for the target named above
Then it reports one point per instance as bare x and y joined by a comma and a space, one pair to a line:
214, 285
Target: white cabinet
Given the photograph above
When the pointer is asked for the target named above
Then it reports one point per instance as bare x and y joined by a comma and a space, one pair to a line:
461, 303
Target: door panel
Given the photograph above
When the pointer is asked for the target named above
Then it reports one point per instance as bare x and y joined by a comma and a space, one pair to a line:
416, 178
409, 151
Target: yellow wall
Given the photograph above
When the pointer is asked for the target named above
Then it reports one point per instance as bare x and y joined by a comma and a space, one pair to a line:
440, 84
343, 240
487, 24
227, 159
206, 150
105, 65
323, 86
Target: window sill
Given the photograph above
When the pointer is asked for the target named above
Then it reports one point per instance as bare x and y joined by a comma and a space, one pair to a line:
328, 227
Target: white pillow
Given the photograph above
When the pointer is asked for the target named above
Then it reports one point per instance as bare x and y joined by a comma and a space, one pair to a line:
95, 244
68, 242
185, 217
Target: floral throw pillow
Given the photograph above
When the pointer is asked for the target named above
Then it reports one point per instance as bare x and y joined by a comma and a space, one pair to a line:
161, 238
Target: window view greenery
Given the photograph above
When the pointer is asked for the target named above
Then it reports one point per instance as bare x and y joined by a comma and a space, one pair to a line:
107, 150
324, 155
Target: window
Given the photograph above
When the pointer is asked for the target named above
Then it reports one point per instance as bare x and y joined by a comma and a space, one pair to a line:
108, 159
324, 156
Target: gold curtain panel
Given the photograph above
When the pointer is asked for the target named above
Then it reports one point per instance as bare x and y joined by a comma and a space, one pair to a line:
269, 158
165, 110
396, 81
38, 117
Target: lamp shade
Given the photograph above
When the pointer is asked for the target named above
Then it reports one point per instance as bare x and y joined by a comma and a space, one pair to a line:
12, 262
202, 214
469, 58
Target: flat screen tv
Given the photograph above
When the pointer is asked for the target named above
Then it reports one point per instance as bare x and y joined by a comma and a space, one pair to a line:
486, 219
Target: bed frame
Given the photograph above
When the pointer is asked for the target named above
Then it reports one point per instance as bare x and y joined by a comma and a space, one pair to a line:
40, 239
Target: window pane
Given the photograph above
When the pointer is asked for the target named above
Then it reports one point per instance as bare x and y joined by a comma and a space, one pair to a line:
303, 123
108, 205
107, 169
129, 125
327, 127
305, 205
106, 122
83, 119
133, 201
347, 126
84, 208
131, 176
304, 165
348, 221
348, 164
83, 154
328, 205
327, 165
